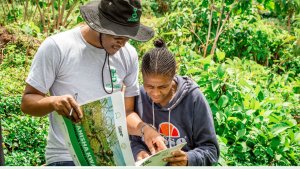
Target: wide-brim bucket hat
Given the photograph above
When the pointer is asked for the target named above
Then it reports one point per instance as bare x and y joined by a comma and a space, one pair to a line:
117, 17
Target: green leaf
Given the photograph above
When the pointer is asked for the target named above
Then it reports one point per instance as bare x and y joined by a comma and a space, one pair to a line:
297, 137
233, 119
208, 60
215, 85
275, 143
192, 71
241, 133
244, 145
245, 85
221, 70
223, 139
270, 151
220, 55
260, 96
279, 128
222, 102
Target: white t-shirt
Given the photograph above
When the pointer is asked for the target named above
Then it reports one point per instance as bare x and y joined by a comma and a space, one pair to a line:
66, 64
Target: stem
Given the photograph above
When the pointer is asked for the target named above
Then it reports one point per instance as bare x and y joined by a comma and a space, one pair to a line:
42, 17
193, 31
3, 10
2, 162
221, 29
57, 18
26, 10
220, 17
33, 14
13, 10
60, 17
209, 30
69, 12
53, 16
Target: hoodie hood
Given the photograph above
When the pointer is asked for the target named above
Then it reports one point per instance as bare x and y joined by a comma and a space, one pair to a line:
184, 86
187, 118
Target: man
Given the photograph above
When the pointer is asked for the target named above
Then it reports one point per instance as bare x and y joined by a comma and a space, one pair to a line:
88, 62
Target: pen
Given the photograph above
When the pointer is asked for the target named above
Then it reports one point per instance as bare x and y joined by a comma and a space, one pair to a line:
71, 112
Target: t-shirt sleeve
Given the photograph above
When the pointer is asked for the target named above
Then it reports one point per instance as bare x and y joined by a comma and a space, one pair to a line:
131, 79
44, 66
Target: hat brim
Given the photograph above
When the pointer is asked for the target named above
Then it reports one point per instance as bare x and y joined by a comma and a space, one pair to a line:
99, 23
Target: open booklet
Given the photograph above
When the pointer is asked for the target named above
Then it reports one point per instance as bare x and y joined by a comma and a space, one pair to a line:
157, 159
101, 139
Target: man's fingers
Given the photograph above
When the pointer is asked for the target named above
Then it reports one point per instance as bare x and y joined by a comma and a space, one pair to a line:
76, 108
153, 140
160, 144
65, 112
79, 112
151, 147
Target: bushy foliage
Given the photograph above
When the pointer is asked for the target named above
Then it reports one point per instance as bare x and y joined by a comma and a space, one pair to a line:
251, 81
245, 37
262, 42
254, 109
24, 136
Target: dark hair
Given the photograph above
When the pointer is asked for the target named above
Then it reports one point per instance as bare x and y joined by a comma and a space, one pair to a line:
159, 61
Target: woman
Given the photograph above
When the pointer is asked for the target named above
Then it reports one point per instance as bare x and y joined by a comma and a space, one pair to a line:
175, 106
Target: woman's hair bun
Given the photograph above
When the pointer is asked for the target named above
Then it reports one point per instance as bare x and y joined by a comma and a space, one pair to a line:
159, 43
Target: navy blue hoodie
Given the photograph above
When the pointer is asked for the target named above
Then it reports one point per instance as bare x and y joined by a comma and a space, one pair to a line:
187, 118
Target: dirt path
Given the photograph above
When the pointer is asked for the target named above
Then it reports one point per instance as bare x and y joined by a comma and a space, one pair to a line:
5, 37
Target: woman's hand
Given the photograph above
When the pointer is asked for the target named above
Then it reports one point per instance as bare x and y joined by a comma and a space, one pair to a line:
179, 158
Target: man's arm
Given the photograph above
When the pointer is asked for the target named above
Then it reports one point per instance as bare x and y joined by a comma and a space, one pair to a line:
36, 103
152, 138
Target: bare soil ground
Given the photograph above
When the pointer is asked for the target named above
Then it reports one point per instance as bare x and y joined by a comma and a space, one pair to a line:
5, 37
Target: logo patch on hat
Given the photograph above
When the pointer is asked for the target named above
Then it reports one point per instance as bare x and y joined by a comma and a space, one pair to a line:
134, 16
105, 19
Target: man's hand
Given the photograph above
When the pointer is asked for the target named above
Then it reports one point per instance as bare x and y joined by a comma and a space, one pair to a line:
153, 140
36, 103
141, 155
67, 107
179, 158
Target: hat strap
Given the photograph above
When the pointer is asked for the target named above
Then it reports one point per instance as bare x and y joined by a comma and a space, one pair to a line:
106, 57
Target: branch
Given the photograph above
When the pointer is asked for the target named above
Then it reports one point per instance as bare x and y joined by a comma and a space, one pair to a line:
25, 10
42, 18
62, 11
220, 17
221, 29
53, 15
69, 12
209, 30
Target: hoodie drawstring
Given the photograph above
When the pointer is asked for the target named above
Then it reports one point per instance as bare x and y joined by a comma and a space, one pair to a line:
153, 117
169, 123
